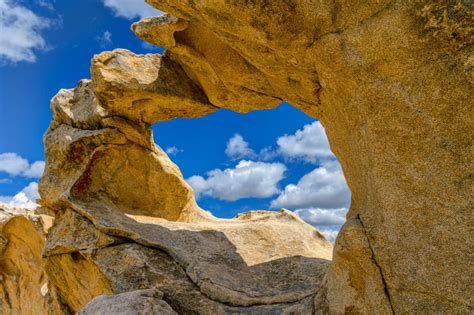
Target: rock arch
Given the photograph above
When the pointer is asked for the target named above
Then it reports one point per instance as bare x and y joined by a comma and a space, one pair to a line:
391, 81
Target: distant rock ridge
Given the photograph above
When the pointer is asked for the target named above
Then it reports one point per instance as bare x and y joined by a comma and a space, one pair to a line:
392, 83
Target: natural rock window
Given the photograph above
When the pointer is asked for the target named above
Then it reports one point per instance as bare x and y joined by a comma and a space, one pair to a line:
253, 163
117, 197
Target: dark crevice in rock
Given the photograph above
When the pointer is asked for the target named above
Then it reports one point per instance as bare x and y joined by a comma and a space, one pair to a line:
7, 299
76, 254
374, 259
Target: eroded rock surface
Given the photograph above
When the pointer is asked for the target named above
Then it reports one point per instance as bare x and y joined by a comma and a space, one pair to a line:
87, 146
148, 88
390, 80
125, 219
266, 261
353, 283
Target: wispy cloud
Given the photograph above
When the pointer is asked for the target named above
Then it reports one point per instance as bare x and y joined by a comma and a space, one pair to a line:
21, 32
149, 46
46, 4
131, 9
104, 39
173, 151
323, 217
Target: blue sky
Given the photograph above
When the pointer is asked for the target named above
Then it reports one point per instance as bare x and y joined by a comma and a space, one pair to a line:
263, 160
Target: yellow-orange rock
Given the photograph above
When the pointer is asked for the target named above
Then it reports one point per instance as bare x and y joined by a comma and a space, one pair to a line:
94, 155
391, 81
126, 220
146, 88
24, 285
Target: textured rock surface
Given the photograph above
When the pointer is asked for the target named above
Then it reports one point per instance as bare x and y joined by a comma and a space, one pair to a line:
354, 264
390, 80
24, 285
140, 302
266, 261
147, 88
87, 146
126, 220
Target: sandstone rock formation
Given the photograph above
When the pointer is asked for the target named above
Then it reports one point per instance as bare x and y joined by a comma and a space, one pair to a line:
83, 145
390, 80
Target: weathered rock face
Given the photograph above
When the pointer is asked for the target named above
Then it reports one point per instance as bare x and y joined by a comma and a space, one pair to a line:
390, 80
87, 146
354, 263
148, 88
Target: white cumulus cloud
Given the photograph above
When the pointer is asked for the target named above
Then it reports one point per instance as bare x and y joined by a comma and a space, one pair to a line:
15, 165
26, 198
321, 197
131, 9
325, 187
238, 148
20, 32
247, 180
36, 169
309, 144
